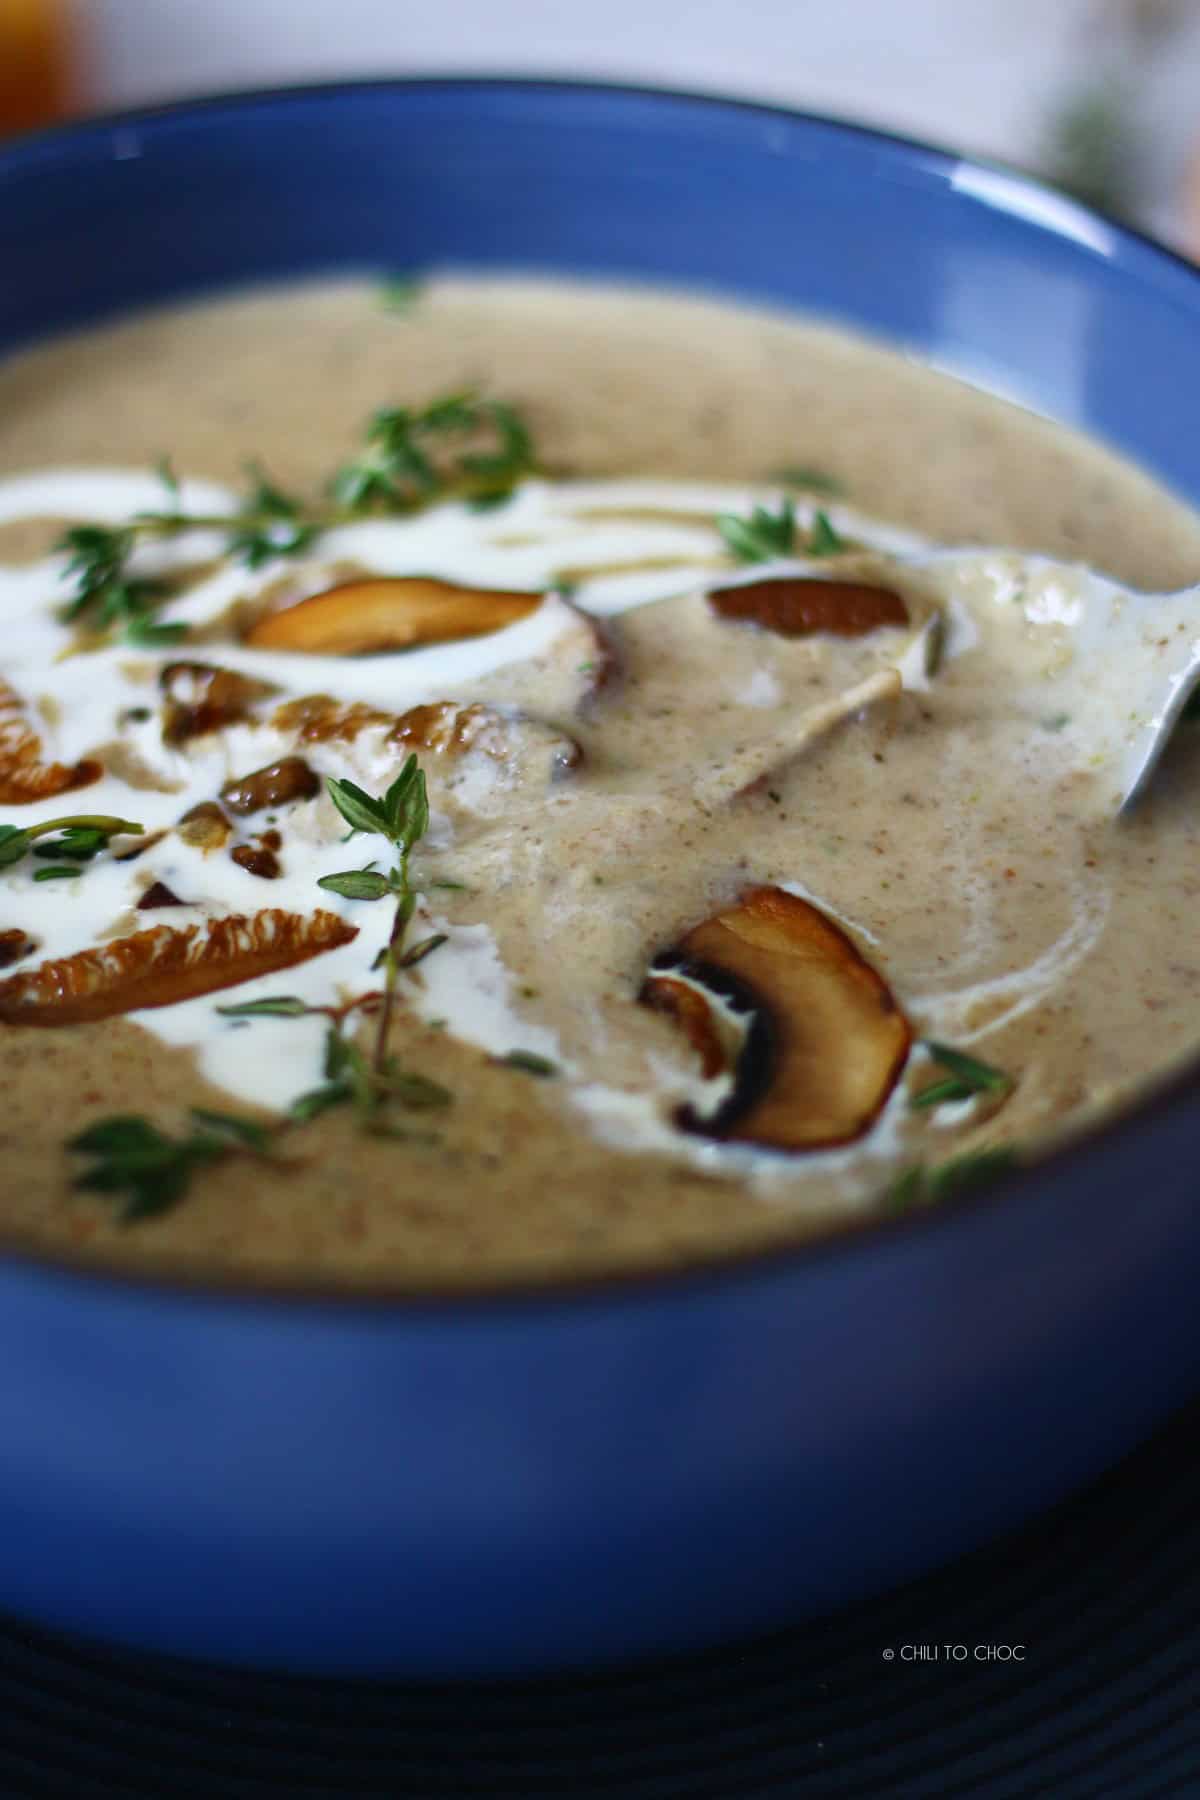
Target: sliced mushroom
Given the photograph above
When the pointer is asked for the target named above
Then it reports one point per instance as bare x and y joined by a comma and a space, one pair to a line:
275, 785
389, 613
156, 895
201, 697
443, 728
320, 719
801, 605
15, 946
258, 860
205, 826
165, 965
826, 1041
24, 777
688, 1009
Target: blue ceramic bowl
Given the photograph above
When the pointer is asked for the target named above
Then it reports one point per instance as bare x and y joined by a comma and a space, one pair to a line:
533, 1480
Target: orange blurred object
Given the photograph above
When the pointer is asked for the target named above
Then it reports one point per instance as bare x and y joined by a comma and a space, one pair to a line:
36, 73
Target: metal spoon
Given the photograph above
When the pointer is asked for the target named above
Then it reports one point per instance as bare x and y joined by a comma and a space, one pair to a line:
1115, 666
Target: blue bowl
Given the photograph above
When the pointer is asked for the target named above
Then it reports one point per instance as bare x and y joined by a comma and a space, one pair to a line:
531, 1480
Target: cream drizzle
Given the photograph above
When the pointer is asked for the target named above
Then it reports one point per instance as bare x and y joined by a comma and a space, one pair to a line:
79, 702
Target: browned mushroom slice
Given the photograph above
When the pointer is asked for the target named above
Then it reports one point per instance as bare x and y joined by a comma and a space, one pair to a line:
692, 1013
443, 728
258, 860
15, 946
205, 826
165, 965
320, 719
156, 895
825, 1040
275, 785
201, 697
24, 777
389, 613
802, 605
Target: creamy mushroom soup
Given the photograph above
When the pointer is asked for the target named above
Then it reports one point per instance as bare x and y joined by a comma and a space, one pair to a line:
507, 780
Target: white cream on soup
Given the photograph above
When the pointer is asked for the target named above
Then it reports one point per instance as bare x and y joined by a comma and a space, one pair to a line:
1001, 612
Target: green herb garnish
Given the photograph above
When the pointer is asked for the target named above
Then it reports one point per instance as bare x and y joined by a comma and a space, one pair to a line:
268, 523
132, 1158
399, 293
353, 1079
809, 480
922, 1186
405, 463
763, 536
529, 1062
98, 558
149, 634
272, 1006
967, 1076
823, 539
425, 948
461, 446
401, 815
79, 837
766, 535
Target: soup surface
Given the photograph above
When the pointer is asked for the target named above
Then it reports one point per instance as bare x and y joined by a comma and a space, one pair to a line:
768, 878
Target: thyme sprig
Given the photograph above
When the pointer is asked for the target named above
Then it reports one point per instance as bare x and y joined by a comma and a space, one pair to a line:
74, 840
351, 1078
460, 446
150, 1171
401, 816
405, 462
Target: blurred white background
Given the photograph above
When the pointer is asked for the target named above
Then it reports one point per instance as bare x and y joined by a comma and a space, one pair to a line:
975, 71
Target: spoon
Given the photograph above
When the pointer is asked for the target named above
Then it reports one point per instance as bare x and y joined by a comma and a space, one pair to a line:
1169, 680
1116, 666
1109, 670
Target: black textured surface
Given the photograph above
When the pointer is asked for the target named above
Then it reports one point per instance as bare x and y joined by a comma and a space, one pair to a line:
1104, 1593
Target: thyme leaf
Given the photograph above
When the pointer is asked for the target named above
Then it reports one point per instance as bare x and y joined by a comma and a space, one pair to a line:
272, 1006
919, 1185
966, 1076
150, 1171
529, 1062
766, 535
420, 951
808, 479
763, 536
823, 539
357, 884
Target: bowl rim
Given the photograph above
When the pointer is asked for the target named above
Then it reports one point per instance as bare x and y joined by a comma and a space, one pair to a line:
1049, 210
